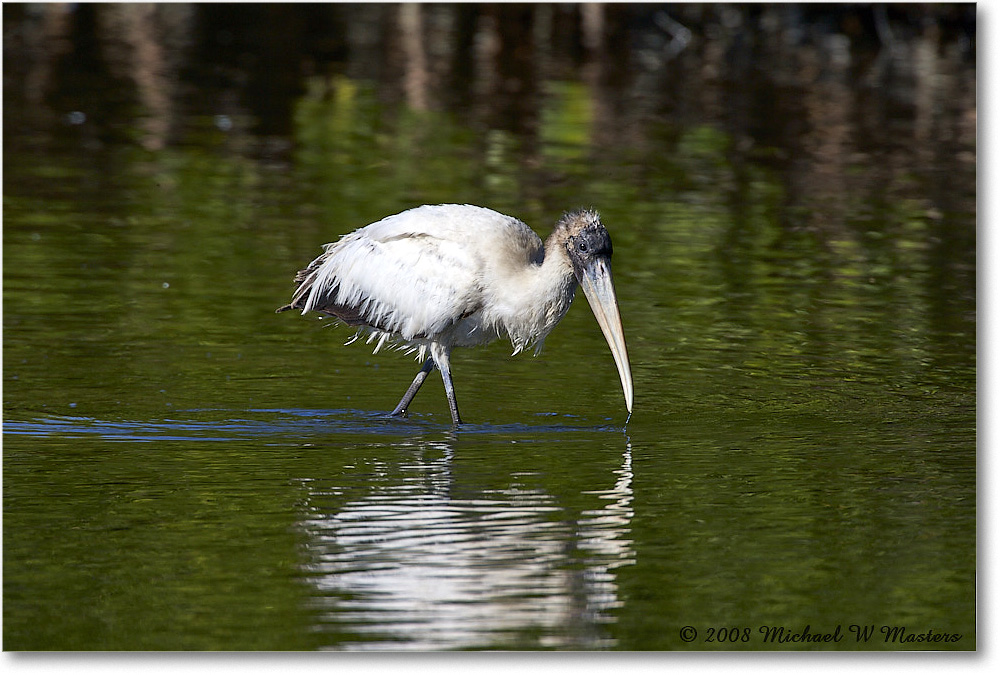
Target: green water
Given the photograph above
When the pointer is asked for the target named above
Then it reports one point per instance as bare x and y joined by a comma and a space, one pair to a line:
185, 469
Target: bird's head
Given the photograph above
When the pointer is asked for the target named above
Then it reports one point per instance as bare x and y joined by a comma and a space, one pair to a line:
588, 246
586, 238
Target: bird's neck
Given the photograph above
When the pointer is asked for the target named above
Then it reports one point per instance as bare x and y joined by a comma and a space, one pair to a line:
542, 297
556, 270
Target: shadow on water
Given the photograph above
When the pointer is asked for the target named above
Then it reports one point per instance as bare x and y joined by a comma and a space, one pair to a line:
297, 424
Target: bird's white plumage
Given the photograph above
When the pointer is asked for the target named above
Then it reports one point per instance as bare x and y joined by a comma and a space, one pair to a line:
437, 277
458, 275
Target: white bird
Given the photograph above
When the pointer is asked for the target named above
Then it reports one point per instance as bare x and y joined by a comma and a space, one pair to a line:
437, 277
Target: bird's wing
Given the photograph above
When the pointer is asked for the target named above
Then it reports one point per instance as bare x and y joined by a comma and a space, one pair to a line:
419, 272
455, 222
412, 284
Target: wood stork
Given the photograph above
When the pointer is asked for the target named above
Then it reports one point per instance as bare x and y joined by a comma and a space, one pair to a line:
437, 277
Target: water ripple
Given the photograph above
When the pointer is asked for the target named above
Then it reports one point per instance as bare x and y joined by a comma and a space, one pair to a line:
262, 423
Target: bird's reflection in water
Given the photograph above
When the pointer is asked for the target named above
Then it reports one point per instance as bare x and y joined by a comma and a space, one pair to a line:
411, 565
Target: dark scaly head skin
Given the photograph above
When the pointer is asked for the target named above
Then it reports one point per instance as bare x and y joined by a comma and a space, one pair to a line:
586, 239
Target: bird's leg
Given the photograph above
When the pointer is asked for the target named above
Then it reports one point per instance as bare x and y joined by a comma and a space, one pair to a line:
449, 389
441, 354
404, 402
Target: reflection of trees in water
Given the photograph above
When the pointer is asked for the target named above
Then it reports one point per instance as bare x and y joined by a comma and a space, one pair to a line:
645, 64
865, 115
814, 90
410, 564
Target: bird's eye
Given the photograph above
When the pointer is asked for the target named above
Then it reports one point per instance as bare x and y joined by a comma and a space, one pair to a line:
582, 246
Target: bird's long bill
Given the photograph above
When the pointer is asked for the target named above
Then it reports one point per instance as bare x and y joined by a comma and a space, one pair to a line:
599, 288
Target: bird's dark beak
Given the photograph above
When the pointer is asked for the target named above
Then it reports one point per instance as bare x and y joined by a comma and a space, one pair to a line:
597, 284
